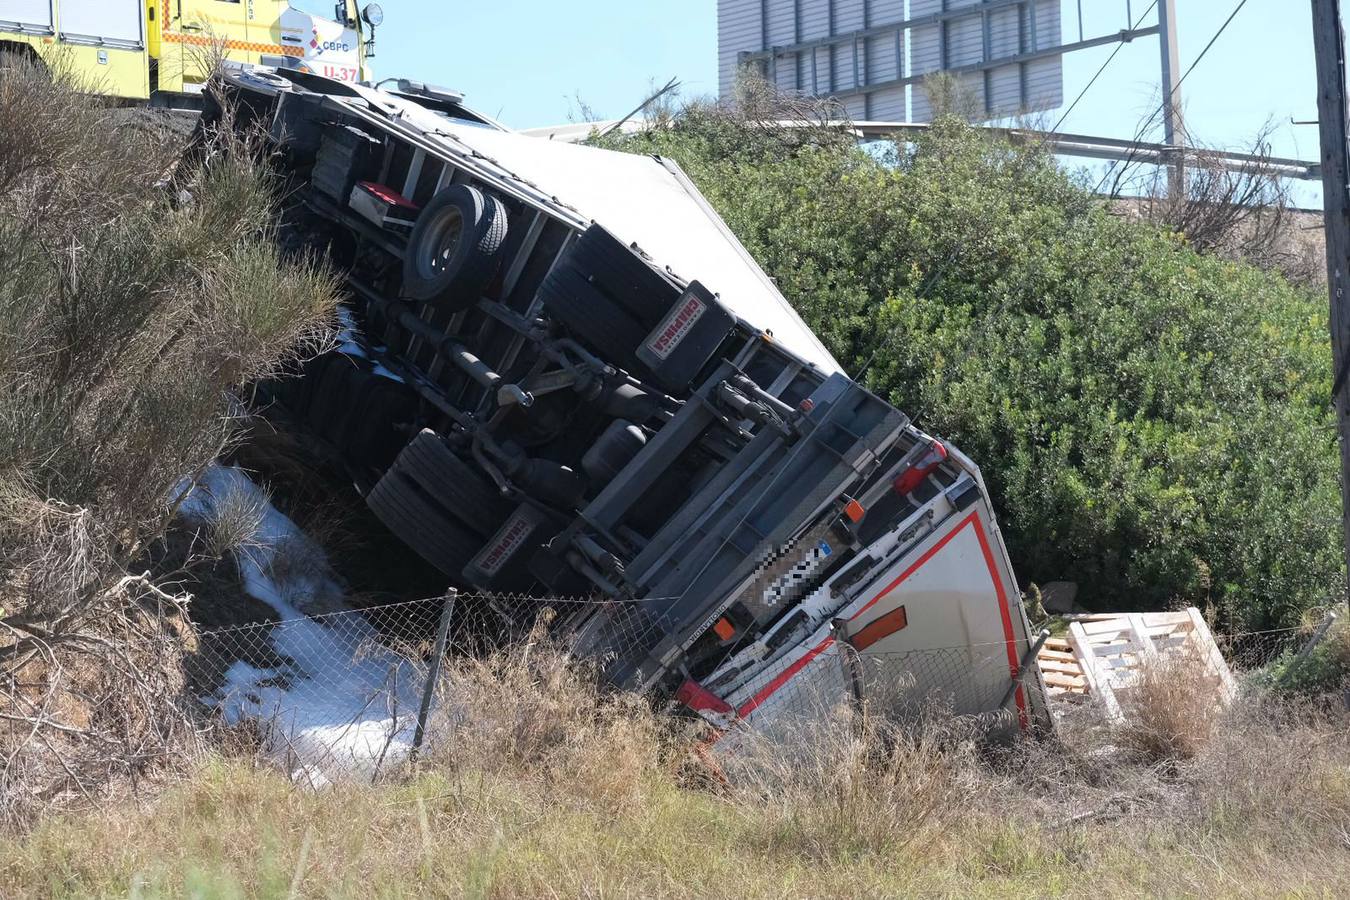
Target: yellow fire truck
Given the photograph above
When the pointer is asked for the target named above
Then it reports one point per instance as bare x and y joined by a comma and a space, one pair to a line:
159, 49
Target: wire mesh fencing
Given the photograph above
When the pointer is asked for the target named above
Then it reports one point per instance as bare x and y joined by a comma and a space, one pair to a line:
354, 693
333, 695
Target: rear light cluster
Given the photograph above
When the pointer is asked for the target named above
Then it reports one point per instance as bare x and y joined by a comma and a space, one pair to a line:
922, 467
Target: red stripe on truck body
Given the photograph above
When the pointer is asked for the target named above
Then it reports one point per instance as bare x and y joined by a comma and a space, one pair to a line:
1005, 611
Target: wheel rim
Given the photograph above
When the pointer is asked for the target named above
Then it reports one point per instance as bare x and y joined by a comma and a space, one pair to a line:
442, 241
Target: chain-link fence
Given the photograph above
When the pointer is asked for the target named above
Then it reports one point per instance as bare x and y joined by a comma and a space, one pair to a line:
353, 693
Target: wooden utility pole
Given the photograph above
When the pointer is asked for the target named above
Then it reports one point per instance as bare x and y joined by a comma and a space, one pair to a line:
1329, 46
1174, 132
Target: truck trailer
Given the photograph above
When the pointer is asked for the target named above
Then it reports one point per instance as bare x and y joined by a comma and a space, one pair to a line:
165, 50
562, 376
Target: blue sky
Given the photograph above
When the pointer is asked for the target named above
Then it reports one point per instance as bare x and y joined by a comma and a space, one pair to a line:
526, 61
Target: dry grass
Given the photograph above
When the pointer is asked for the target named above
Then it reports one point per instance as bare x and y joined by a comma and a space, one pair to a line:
130, 313
856, 788
234, 523
1170, 710
531, 714
546, 788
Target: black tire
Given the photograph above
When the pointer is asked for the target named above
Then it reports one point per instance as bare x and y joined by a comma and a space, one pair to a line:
414, 520
610, 330
373, 437
330, 400
455, 248
454, 483
301, 394
618, 272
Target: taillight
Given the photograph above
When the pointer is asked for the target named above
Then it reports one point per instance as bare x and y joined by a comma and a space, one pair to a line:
700, 699
920, 469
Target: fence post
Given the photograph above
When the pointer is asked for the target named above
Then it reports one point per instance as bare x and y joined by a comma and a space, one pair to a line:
1027, 659
848, 658
1322, 628
433, 672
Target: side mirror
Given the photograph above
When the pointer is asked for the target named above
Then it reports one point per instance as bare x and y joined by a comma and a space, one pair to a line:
373, 14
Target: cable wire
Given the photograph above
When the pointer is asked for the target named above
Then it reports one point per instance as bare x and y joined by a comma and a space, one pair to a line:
1093, 80
1176, 87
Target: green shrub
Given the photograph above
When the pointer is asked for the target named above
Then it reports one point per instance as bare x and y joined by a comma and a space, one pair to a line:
1325, 670
1153, 423
129, 312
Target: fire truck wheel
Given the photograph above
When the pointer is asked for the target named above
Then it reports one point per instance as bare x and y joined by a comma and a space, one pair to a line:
456, 484
622, 275
607, 328
417, 522
455, 248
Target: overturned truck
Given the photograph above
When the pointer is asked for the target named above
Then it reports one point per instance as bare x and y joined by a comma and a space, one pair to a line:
563, 376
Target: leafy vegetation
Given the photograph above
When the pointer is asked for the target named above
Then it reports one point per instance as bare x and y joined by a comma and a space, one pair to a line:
138, 292
1153, 422
1325, 669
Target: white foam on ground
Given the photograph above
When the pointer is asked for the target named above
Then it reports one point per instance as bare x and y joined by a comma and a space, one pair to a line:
339, 704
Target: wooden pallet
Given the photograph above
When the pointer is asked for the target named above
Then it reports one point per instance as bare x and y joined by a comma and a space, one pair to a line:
1110, 650
1060, 671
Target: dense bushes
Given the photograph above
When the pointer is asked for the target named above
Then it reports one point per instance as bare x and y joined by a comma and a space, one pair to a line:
1154, 423
130, 308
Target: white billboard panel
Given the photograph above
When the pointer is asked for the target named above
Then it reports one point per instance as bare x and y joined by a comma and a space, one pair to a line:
26, 15
116, 22
738, 30
845, 49
1012, 31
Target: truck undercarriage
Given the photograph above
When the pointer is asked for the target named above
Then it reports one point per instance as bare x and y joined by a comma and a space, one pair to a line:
562, 376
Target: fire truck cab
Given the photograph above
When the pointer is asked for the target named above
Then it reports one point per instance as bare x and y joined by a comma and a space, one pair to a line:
160, 50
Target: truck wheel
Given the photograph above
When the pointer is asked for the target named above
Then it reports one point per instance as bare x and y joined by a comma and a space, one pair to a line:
428, 530
609, 329
330, 400
374, 436
621, 274
455, 248
454, 483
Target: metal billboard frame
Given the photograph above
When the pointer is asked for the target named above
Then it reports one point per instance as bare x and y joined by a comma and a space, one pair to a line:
767, 60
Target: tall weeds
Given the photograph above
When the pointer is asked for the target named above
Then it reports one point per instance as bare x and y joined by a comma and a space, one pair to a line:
129, 312
1171, 709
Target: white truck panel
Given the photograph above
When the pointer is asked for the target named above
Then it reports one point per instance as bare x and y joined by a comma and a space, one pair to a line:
26, 15
115, 22
959, 645
641, 200
331, 49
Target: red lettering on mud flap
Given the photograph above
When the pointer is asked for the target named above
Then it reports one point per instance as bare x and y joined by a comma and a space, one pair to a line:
507, 541
676, 325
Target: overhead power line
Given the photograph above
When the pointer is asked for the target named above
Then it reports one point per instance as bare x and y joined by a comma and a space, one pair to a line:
1189, 69
1093, 80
